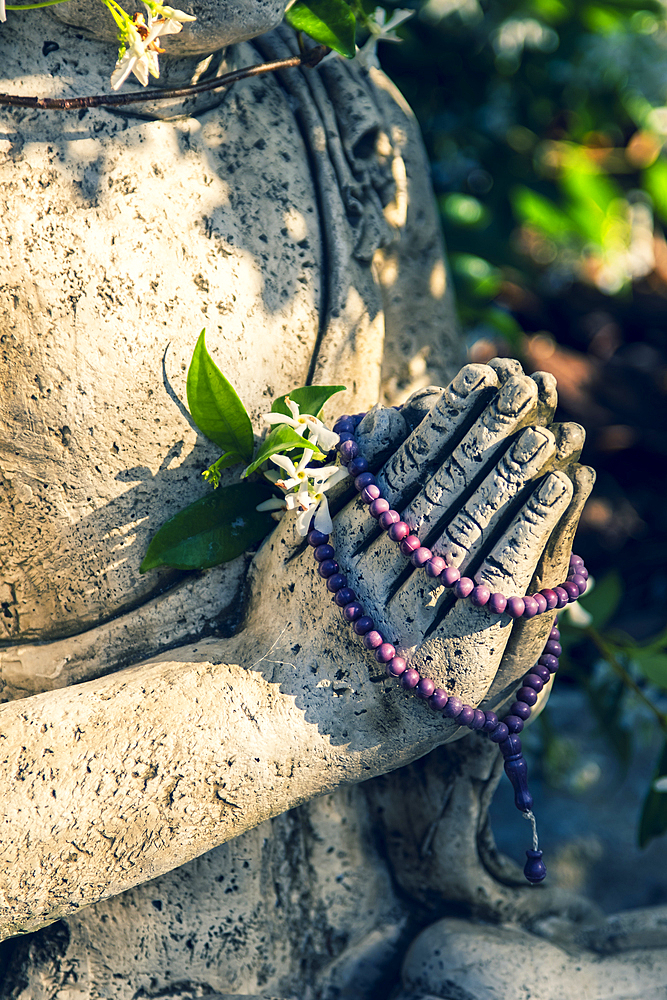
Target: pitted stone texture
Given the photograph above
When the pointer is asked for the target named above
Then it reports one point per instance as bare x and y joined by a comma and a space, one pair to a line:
219, 22
461, 960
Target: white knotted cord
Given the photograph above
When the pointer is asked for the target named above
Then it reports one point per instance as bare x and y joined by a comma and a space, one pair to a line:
529, 815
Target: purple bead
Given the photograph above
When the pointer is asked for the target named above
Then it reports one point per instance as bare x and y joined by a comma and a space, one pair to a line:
535, 869
527, 695
344, 424
555, 633
541, 603
398, 531
453, 708
336, 582
344, 597
364, 480
513, 723
562, 597
521, 710
396, 667
554, 648
328, 568
343, 437
480, 596
584, 572
549, 661
515, 607
490, 722
434, 567
533, 681
497, 603
438, 700
388, 518
409, 545
466, 715
550, 597
571, 590
347, 451
317, 538
357, 466
580, 582
425, 688
353, 612
384, 653
517, 772
464, 586
479, 719
379, 506
511, 747
323, 552
576, 561
450, 576
499, 734
370, 494
542, 672
373, 639
420, 556
410, 679
363, 625
530, 607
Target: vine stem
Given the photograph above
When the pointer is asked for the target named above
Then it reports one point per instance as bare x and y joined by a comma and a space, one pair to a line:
311, 58
610, 656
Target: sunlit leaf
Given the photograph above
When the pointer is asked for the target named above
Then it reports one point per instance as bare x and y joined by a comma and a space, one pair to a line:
281, 439
603, 600
215, 407
212, 530
532, 207
329, 22
654, 181
310, 399
653, 821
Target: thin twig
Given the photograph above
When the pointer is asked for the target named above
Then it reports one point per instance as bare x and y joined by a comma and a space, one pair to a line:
613, 661
311, 58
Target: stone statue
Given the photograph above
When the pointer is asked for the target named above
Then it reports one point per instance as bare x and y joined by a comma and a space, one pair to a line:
210, 788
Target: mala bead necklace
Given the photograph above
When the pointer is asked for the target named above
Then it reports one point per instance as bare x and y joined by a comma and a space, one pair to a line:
506, 732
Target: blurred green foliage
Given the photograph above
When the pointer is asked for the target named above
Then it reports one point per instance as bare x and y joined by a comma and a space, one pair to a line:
544, 121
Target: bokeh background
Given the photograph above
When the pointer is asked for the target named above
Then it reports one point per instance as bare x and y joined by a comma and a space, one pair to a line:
545, 122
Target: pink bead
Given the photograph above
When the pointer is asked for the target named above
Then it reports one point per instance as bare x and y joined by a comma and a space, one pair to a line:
373, 639
388, 518
529, 607
396, 667
550, 597
497, 603
398, 531
425, 688
434, 567
480, 596
450, 576
370, 494
385, 653
420, 556
464, 586
378, 507
410, 545
541, 603
410, 679
515, 607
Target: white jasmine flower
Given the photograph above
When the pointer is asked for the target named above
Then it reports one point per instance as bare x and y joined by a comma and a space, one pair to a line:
317, 503
317, 432
298, 474
3, 13
381, 32
137, 57
175, 15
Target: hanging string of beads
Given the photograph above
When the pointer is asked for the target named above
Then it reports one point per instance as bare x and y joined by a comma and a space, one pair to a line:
506, 732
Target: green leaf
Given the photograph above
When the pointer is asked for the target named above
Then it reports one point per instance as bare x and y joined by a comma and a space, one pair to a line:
310, 399
530, 206
215, 407
281, 439
212, 530
212, 474
652, 665
653, 821
603, 600
329, 22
